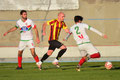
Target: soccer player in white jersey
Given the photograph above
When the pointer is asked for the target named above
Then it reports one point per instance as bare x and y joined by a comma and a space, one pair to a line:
86, 48
25, 25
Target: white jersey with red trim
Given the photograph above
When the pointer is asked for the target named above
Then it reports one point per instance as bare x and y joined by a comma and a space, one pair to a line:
79, 33
25, 29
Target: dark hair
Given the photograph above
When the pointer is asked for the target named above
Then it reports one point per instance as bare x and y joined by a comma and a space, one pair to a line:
77, 18
22, 11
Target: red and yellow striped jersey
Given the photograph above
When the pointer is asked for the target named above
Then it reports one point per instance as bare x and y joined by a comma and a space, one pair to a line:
55, 28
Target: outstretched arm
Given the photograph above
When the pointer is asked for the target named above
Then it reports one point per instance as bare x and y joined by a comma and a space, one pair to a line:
98, 32
37, 35
11, 30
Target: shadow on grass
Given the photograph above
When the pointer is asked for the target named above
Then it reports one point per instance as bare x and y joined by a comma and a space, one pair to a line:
116, 68
95, 66
62, 67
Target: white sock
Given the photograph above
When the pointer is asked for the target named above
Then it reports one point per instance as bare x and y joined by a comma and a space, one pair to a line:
39, 63
55, 60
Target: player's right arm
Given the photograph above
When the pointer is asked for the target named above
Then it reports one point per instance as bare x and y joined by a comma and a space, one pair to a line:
51, 22
68, 35
44, 28
11, 30
66, 38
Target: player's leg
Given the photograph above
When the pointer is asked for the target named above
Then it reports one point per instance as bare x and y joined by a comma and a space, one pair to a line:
46, 55
22, 46
84, 57
84, 54
34, 54
20, 59
32, 49
95, 55
60, 53
49, 53
93, 52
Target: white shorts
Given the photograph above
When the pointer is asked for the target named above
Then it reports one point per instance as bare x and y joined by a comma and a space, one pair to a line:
24, 44
87, 48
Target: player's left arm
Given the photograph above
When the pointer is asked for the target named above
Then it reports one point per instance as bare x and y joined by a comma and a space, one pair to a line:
96, 31
36, 32
37, 35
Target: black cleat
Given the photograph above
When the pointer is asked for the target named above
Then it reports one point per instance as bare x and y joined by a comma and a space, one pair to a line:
19, 68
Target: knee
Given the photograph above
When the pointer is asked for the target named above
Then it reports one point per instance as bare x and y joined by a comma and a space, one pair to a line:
34, 54
99, 55
49, 53
63, 47
20, 53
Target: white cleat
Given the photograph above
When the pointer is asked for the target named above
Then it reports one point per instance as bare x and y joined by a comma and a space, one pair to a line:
55, 62
78, 67
39, 64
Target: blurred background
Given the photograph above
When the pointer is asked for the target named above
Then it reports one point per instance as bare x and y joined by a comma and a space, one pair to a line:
104, 15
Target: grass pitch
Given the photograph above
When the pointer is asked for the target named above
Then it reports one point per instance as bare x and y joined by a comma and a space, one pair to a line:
89, 71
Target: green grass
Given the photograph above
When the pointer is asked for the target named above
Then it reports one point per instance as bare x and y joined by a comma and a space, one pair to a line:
89, 71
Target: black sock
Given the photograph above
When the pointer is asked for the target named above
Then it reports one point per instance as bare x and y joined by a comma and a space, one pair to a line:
61, 52
44, 57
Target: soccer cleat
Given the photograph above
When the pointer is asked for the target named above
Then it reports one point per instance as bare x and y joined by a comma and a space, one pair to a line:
19, 68
78, 67
39, 64
55, 62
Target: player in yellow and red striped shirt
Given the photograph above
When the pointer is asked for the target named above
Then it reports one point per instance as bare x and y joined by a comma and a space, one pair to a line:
55, 27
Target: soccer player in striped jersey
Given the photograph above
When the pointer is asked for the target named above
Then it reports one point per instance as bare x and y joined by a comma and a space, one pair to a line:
55, 27
86, 48
25, 25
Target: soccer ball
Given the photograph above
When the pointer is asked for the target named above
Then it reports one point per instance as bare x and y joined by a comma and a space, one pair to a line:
108, 65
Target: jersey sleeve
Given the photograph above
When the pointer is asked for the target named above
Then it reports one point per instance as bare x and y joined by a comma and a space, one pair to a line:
33, 25
17, 26
87, 26
68, 35
93, 29
96, 31
50, 22
64, 26
70, 30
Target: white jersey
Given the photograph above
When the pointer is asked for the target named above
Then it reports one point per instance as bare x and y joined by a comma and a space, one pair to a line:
79, 33
25, 29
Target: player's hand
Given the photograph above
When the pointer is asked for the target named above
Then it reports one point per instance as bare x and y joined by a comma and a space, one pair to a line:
5, 34
105, 36
37, 40
43, 33
64, 40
